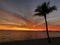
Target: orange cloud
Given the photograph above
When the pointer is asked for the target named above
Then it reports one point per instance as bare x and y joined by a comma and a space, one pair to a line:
11, 21
38, 28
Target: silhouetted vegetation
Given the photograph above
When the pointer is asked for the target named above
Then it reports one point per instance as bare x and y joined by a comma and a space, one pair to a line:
43, 10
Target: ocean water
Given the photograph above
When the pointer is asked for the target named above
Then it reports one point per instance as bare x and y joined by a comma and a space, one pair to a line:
25, 35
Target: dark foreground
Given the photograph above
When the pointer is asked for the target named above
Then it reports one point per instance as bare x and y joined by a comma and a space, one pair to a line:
54, 41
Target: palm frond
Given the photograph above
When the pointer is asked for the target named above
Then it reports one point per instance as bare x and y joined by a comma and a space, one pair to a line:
48, 3
38, 14
38, 9
44, 9
51, 9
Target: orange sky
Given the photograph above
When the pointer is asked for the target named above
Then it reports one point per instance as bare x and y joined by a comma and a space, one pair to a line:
9, 21
38, 28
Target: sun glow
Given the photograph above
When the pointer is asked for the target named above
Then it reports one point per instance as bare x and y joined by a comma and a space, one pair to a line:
42, 28
12, 28
18, 28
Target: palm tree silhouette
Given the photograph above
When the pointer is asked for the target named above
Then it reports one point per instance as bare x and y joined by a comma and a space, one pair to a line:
43, 10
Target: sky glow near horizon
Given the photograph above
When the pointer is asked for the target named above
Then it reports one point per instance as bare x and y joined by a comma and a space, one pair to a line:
20, 12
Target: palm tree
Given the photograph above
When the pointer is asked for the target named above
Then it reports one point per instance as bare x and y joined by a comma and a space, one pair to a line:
43, 10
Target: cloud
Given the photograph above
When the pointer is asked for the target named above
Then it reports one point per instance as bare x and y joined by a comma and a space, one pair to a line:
54, 20
11, 18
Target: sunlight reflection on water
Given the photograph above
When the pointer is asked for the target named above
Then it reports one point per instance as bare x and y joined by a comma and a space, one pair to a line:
25, 35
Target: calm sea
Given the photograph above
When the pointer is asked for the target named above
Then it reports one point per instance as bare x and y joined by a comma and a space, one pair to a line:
25, 35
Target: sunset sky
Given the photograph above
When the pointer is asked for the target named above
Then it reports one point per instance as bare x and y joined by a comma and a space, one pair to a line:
18, 14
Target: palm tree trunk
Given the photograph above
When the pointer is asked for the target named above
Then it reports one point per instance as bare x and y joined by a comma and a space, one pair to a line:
49, 41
